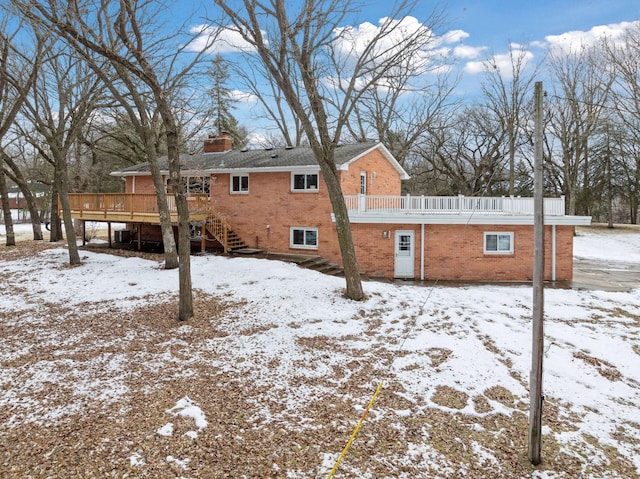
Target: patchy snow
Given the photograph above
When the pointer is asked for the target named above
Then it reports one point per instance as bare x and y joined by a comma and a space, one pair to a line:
608, 245
185, 407
470, 339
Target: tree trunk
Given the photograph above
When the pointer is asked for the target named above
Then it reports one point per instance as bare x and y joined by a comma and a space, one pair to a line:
168, 240
343, 227
609, 188
185, 308
6, 208
36, 221
74, 255
32, 205
55, 226
512, 163
634, 212
184, 255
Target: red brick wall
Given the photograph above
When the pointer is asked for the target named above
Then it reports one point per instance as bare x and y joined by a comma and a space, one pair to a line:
140, 185
271, 202
452, 252
456, 252
382, 178
375, 249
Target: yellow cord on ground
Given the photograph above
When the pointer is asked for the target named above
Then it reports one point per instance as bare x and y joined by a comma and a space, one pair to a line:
355, 431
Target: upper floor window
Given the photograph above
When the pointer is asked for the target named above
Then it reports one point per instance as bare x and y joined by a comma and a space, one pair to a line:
193, 185
240, 183
197, 184
363, 183
500, 243
304, 182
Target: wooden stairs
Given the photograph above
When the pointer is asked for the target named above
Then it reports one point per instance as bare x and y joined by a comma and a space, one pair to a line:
222, 232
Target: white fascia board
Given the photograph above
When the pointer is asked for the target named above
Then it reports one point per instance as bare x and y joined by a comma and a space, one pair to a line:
222, 171
130, 173
458, 219
278, 169
569, 220
387, 154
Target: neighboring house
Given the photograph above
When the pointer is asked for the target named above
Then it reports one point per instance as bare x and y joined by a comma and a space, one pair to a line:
276, 200
18, 203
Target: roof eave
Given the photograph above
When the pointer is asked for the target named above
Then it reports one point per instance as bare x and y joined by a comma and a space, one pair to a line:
464, 219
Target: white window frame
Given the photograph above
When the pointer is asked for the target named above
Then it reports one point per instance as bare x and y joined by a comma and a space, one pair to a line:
363, 182
240, 176
305, 189
304, 229
204, 184
498, 234
205, 181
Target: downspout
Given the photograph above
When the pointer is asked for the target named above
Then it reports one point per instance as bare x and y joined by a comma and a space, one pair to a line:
422, 252
553, 252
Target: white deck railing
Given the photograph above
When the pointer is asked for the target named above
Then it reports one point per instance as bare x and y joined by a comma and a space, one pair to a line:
506, 205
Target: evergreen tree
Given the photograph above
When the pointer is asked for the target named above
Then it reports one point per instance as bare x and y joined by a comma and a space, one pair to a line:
222, 103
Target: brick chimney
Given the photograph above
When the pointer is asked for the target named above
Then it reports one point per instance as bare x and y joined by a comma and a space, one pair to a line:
218, 143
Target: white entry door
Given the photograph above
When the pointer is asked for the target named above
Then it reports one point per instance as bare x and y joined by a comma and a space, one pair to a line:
404, 254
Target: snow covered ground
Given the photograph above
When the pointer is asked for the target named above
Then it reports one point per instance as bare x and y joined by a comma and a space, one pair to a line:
454, 361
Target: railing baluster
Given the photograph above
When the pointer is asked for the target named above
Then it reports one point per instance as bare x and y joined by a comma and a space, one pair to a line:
372, 204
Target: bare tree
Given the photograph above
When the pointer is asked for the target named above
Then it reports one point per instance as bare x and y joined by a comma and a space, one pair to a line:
272, 106
124, 32
468, 154
62, 99
6, 209
323, 73
507, 93
583, 84
625, 59
19, 67
411, 101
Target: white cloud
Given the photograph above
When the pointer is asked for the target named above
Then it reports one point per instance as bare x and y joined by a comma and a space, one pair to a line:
453, 36
354, 40
570, 41
502, 62
468, 52
242, 96
474, 68
218, 40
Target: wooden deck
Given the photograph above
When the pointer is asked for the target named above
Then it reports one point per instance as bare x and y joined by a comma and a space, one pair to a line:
132, 208
138, 209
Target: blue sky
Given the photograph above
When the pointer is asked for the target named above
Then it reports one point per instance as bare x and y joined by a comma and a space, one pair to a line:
474, 31
493, 24
486, 27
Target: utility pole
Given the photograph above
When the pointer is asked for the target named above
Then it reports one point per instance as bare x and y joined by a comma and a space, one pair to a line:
537, 350
609, 186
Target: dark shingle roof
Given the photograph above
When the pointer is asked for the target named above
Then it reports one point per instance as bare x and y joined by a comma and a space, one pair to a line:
276, 158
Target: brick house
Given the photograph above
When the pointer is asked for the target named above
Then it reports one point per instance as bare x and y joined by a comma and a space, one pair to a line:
275, 200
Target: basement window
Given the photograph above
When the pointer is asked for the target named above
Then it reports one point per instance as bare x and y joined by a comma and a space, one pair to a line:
304, 182
306, 238
239, 184
498, 243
